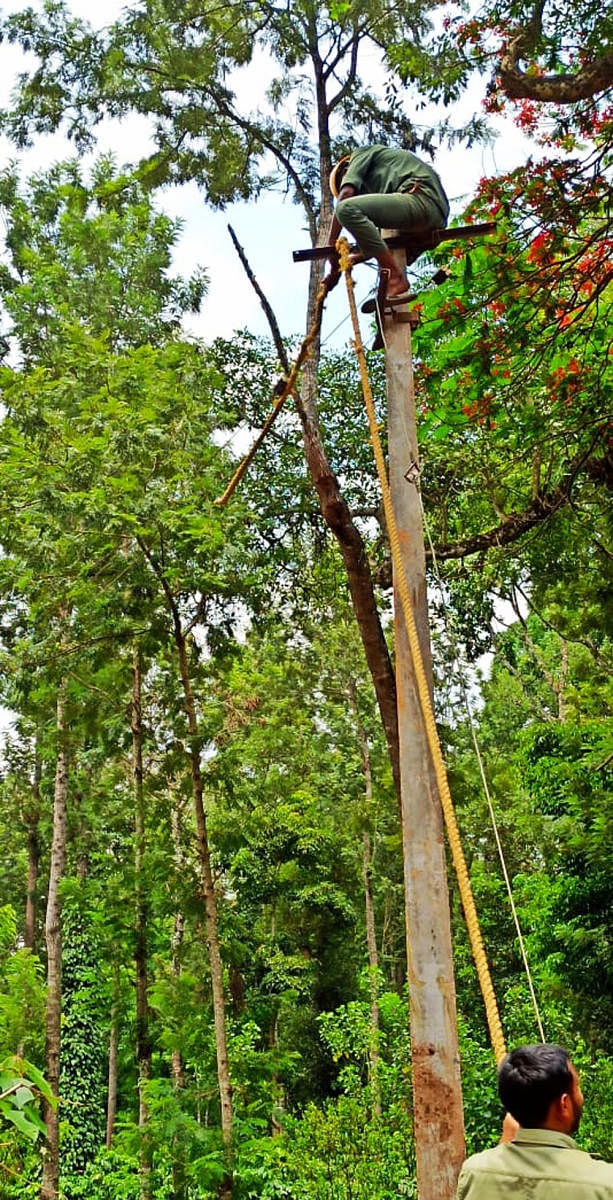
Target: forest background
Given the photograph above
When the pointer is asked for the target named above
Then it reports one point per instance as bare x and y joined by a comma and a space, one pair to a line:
201, 914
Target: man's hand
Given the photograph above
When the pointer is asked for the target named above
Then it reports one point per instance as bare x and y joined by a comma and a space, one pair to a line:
335, 226
331, 279
346, 192
509, 1128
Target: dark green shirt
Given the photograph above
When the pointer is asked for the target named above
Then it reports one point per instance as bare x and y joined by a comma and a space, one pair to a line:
539, 1164
385, 170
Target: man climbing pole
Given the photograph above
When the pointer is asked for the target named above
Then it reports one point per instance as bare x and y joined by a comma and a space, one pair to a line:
379, 187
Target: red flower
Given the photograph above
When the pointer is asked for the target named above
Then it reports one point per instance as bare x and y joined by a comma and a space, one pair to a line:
539, 247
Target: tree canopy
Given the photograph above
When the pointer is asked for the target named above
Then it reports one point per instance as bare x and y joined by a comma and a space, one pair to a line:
203, 975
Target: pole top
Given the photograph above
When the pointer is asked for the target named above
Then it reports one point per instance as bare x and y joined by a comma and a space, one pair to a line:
415, 242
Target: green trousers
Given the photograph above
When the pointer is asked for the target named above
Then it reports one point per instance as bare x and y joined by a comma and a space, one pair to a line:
365, 216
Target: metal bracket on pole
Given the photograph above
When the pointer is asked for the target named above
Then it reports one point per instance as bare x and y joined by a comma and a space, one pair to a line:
412, 473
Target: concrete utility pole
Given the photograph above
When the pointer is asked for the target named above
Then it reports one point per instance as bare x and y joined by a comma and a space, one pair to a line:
437, 1093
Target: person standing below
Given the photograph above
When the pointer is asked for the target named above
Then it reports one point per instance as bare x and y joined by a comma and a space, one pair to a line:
539, 1087
378, 187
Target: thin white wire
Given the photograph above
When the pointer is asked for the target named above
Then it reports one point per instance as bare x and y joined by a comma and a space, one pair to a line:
233, 436
471, 724
241, 427
346, 318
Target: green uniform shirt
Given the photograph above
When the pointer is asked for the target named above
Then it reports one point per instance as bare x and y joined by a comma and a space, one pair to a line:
539, 1164
384, 170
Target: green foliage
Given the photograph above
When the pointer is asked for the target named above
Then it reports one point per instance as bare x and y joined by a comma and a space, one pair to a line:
482, 1109
110, 461
22, 993
344, 1149
86, 253
573, 943
21, 1087
111, 1176
22, 1084
342, 1152
82, 1081
596, 1080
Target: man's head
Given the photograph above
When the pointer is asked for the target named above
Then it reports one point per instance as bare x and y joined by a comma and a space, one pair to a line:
539, 1086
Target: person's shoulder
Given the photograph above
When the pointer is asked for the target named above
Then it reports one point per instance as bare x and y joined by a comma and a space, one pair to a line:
574, 1164
564, 1172
360, 157
359, 151
588, 1165
487, 1164
478, 1172
485, 1159
590, 1177
597, 1168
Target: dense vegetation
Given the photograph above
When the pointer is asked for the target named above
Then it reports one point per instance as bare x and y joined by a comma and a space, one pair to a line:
202, 948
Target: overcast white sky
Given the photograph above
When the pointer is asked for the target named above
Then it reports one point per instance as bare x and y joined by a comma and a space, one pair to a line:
269, 228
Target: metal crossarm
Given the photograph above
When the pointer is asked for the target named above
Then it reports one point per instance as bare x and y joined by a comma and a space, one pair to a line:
415, 243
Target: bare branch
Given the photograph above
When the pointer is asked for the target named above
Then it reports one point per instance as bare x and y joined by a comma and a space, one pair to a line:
260, 134
562, 634
351, 75
512, 527
170, 599
516, 524
257, 132
338, 518
330, 67
270, 316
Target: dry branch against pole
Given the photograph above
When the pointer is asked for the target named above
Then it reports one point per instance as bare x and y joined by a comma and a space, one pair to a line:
338, 518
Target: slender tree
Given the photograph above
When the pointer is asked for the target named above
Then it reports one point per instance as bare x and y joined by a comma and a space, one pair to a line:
111, 1101
195, 745
32, 821
53, 939
143, 1042
371, 933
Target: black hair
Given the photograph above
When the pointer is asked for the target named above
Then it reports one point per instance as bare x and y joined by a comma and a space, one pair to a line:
529, 1078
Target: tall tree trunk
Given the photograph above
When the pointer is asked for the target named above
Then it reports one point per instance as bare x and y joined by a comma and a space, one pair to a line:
206, 874
338, 517
210, 902
178, 1077
278, 1091
53, 937
81, 833
373, 963
369, 909
179, 921
111, 1103
32, 819
179, 1185
561, 685
143, 1045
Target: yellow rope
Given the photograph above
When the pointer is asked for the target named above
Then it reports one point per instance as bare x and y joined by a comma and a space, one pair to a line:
453, 833
288, 388
486, 790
